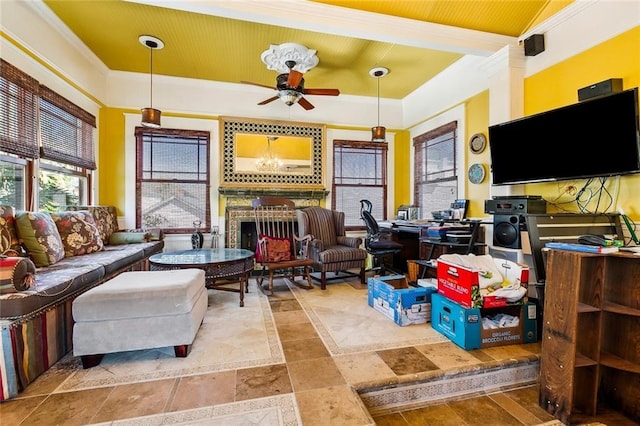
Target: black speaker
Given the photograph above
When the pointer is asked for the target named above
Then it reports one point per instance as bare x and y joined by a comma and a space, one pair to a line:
533, 45
606, 87
506, 230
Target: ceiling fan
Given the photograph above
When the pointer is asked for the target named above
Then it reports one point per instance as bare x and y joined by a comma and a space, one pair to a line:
290, 88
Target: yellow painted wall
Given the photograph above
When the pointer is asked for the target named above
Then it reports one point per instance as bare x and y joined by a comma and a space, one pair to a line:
557, 86
401, 161
111, 156
477, 121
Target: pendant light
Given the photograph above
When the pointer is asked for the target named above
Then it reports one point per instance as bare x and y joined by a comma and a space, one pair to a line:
151, 116
378, 133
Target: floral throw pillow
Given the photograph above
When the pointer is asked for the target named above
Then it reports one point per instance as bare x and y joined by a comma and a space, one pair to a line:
78, 232
40, 236
105, 217
277, 249
9, 244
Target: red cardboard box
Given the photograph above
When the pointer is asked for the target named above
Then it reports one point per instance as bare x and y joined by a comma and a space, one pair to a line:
462, 284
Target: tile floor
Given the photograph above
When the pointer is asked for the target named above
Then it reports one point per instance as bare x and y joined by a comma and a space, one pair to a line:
310, 388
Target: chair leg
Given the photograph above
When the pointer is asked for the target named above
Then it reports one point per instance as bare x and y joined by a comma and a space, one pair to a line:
270, 282
303, 275
307, 272
260, 280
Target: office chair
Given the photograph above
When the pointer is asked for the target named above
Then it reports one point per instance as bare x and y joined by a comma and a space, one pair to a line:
376, 242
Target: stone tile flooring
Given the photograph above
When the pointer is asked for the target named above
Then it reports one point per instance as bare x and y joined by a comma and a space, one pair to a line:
416, 385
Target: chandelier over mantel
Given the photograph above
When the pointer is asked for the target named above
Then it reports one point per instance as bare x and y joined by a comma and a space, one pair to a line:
269, 162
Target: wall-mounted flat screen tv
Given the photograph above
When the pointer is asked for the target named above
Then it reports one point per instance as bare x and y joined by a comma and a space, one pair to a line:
599, 137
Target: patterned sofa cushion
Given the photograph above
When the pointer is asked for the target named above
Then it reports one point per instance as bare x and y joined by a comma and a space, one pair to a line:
105, 217
9, 243
39, 234
78, 232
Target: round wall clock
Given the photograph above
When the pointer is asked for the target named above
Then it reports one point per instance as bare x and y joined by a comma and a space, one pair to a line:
477, 143
476, 173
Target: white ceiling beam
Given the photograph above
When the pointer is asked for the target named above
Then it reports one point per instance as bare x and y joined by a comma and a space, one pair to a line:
310, 16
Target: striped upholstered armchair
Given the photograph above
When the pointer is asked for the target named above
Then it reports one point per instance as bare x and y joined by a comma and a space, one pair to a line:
331, 250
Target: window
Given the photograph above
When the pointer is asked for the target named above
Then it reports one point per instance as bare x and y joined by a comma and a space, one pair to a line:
435, 178
359, 172
12, 182
63, 153
172, 179
61, 185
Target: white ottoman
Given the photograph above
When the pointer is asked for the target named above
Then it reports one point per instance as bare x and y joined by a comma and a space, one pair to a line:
139, 310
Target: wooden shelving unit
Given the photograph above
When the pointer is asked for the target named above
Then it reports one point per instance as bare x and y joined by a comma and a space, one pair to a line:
591, 334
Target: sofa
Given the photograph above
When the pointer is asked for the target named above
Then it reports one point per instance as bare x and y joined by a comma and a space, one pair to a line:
46, 261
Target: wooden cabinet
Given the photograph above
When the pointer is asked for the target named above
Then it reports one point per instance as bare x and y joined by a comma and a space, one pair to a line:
591, 335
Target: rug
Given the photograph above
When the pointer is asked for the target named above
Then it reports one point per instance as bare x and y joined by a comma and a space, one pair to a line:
231, 337
347, 324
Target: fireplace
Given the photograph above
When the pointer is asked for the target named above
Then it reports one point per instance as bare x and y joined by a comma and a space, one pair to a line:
239, 217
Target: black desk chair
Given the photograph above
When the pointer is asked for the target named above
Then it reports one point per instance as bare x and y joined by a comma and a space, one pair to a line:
376, 242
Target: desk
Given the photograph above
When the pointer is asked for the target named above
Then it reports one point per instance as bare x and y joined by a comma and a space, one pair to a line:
418, 245
226, 264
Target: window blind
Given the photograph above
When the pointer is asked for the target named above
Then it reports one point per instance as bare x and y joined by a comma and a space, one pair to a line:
172, 179
18, 112
359, 172
66, 130
435, 178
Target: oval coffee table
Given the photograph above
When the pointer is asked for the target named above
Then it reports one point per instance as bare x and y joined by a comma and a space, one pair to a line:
222, 266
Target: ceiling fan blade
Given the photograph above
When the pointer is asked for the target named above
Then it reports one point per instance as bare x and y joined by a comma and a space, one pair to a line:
266, 101
327, 92
305, 104
294, 79
258, 84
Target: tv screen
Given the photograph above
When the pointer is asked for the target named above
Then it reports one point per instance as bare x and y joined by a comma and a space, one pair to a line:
599, 137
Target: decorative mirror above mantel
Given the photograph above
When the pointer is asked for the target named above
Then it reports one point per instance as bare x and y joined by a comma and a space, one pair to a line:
271, 154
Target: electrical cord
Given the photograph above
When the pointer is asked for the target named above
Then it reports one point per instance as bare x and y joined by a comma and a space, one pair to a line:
583, 202
586, 195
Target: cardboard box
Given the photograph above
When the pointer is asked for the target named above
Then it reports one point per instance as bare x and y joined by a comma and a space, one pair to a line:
464, 326
392, 296
461, 284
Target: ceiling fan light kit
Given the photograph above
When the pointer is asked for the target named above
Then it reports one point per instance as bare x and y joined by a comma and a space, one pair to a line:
150, 115
289, 97
378, 133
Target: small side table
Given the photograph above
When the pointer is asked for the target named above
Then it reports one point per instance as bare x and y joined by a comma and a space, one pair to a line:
221, 266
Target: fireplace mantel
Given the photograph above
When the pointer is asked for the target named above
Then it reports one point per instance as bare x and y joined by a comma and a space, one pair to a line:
292, 194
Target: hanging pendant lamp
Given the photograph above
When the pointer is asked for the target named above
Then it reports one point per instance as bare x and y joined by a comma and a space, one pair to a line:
151, 116
378, 133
